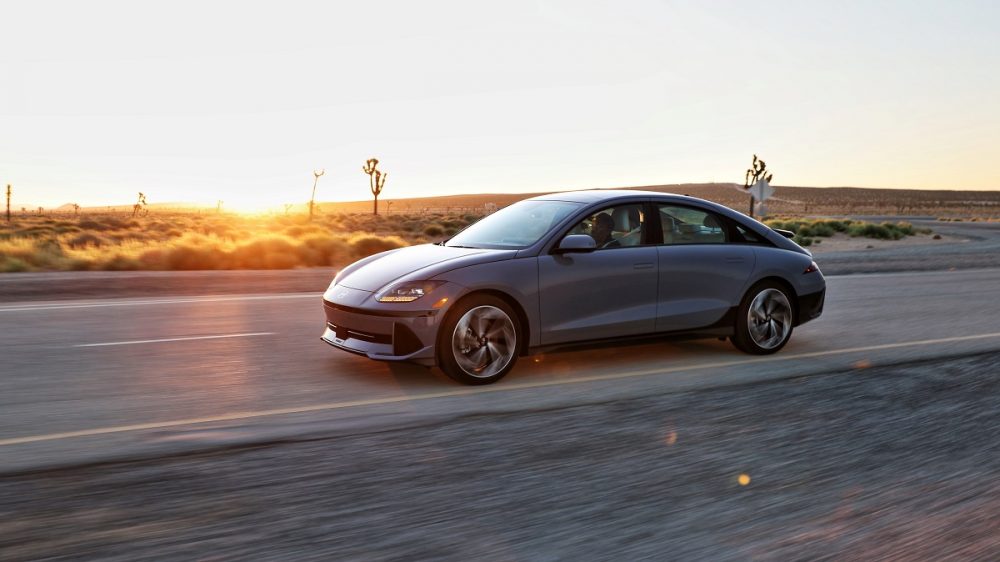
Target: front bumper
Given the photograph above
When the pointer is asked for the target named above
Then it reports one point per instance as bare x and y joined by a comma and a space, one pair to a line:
382, 335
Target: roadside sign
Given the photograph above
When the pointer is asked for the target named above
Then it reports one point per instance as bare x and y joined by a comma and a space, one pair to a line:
761, 191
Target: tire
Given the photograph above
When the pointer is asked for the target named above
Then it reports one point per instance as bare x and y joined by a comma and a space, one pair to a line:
479, 340
764, 319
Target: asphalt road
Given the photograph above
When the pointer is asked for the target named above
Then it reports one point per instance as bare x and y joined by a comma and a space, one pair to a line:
87, 381
892, 463
221, 427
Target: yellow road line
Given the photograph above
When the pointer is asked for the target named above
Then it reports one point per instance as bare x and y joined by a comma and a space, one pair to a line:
184, 338
476, 390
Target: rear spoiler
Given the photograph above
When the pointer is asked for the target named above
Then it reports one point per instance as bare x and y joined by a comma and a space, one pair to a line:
785, 233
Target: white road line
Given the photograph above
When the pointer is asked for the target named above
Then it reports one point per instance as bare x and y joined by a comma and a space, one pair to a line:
474, 390
190, 338
174, 300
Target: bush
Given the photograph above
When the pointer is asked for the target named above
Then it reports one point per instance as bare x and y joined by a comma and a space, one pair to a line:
9, 264
264, 253
87, 239
366, 244
433, 230
324, 250
190, 258
878, 231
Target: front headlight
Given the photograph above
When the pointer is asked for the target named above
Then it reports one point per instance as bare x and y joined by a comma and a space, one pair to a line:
408, 291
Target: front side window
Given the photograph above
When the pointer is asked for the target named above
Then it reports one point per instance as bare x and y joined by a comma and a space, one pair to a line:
515, 227
614, 227
687, 225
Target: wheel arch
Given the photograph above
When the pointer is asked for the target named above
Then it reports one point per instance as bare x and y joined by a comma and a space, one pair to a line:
515, 305
793, 295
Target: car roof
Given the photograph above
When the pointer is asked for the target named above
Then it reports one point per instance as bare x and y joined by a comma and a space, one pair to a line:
608, 195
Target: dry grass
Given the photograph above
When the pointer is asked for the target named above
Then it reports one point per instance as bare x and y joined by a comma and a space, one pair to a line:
187, 241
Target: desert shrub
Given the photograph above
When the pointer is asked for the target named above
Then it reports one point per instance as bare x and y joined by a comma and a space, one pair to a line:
88, 224
903, 227
114, 223
85, 239
299, 230
878, 231
815, 229
220, 230
803, 241
264, 253
325, 250
10, 264
433, 230
185, 257
121, 263
366, 244
36, 231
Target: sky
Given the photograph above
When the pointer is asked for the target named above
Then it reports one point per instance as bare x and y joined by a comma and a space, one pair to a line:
241, 102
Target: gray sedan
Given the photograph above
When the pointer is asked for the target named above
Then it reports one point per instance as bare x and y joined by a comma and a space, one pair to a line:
572, 268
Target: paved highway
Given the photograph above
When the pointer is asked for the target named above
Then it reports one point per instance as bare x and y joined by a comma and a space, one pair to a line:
88, 381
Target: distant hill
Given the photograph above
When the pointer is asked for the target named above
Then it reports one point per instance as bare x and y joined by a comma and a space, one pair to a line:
787, 200
791, 200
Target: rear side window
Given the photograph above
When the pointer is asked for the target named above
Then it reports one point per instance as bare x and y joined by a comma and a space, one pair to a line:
747, 236
687, 225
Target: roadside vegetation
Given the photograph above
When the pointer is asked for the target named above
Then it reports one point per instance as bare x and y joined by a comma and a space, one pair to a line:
810, 231
191, 241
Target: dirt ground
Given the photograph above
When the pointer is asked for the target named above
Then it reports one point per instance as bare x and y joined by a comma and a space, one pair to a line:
841, 242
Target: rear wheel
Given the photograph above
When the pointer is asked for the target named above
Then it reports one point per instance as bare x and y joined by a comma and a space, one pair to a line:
478, 342
764, 319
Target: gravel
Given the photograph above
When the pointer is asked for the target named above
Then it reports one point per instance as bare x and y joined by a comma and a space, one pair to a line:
896, 462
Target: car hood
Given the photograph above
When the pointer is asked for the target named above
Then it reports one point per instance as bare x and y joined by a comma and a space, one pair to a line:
416, 262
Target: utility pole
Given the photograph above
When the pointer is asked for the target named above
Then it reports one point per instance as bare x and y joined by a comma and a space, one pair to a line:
312, 200
8, 202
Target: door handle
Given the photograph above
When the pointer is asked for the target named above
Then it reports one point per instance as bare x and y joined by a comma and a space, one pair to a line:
643, 266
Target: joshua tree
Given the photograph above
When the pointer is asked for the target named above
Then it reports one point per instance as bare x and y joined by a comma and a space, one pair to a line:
140, 209
288, 207
312, 201
218, 207
76, 210
756, 172
376, 179
8, 202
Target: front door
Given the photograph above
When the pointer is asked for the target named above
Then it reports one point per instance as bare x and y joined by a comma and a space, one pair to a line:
606, 293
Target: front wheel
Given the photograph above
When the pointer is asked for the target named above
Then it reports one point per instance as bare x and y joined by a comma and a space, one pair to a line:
764, 319
478, 342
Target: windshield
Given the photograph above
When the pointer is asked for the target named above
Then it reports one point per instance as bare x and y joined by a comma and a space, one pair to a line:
517, 226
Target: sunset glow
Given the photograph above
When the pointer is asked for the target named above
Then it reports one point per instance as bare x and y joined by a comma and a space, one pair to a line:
204, 102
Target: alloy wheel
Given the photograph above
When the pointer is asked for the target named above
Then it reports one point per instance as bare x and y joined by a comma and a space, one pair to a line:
484, 341
769, 318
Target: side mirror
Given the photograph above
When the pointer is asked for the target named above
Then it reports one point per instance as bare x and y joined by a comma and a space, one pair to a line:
578, 243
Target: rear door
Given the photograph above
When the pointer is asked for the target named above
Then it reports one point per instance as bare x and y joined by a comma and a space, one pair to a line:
609, 292
702, 273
